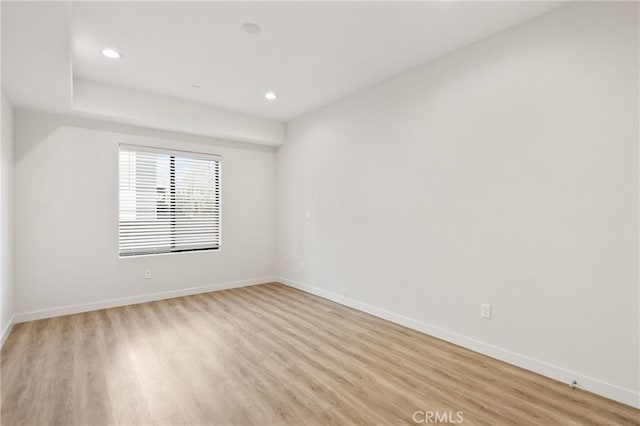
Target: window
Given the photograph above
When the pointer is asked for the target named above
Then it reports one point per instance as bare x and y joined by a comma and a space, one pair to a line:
169, 201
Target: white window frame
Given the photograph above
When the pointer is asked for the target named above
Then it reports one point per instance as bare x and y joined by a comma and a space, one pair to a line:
171, 153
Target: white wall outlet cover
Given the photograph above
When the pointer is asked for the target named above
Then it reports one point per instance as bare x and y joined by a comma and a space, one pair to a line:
485, 311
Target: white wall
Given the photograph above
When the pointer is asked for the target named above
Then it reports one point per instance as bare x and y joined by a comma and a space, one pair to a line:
504, 173
66, 180
7, 284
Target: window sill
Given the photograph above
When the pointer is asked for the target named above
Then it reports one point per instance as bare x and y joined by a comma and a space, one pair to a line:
134, 256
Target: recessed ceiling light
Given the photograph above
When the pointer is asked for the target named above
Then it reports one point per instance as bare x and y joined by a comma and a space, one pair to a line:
250, 28
271, 96
195, 86
110, 53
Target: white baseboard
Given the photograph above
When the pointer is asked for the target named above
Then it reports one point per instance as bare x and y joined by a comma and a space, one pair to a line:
7, 331
607, 390
112, 303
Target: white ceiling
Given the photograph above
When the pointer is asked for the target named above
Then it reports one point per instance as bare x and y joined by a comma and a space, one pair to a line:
36, 64
310, 53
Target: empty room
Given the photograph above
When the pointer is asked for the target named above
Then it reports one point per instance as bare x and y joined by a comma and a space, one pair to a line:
320, 213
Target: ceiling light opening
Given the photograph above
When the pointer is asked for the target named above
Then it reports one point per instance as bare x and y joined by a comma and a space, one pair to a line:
111, 53
271, 96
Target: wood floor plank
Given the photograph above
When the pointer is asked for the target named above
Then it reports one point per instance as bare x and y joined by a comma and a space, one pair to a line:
266, 355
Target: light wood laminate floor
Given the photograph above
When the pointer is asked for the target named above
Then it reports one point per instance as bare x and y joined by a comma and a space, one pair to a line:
266, 355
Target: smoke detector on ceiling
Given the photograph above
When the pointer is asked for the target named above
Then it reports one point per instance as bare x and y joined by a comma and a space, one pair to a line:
250, 28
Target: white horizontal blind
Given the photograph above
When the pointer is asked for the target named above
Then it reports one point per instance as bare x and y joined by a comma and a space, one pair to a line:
169, 201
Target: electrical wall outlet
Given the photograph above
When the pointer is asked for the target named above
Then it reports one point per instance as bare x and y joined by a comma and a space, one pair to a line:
147, 274
485, 311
